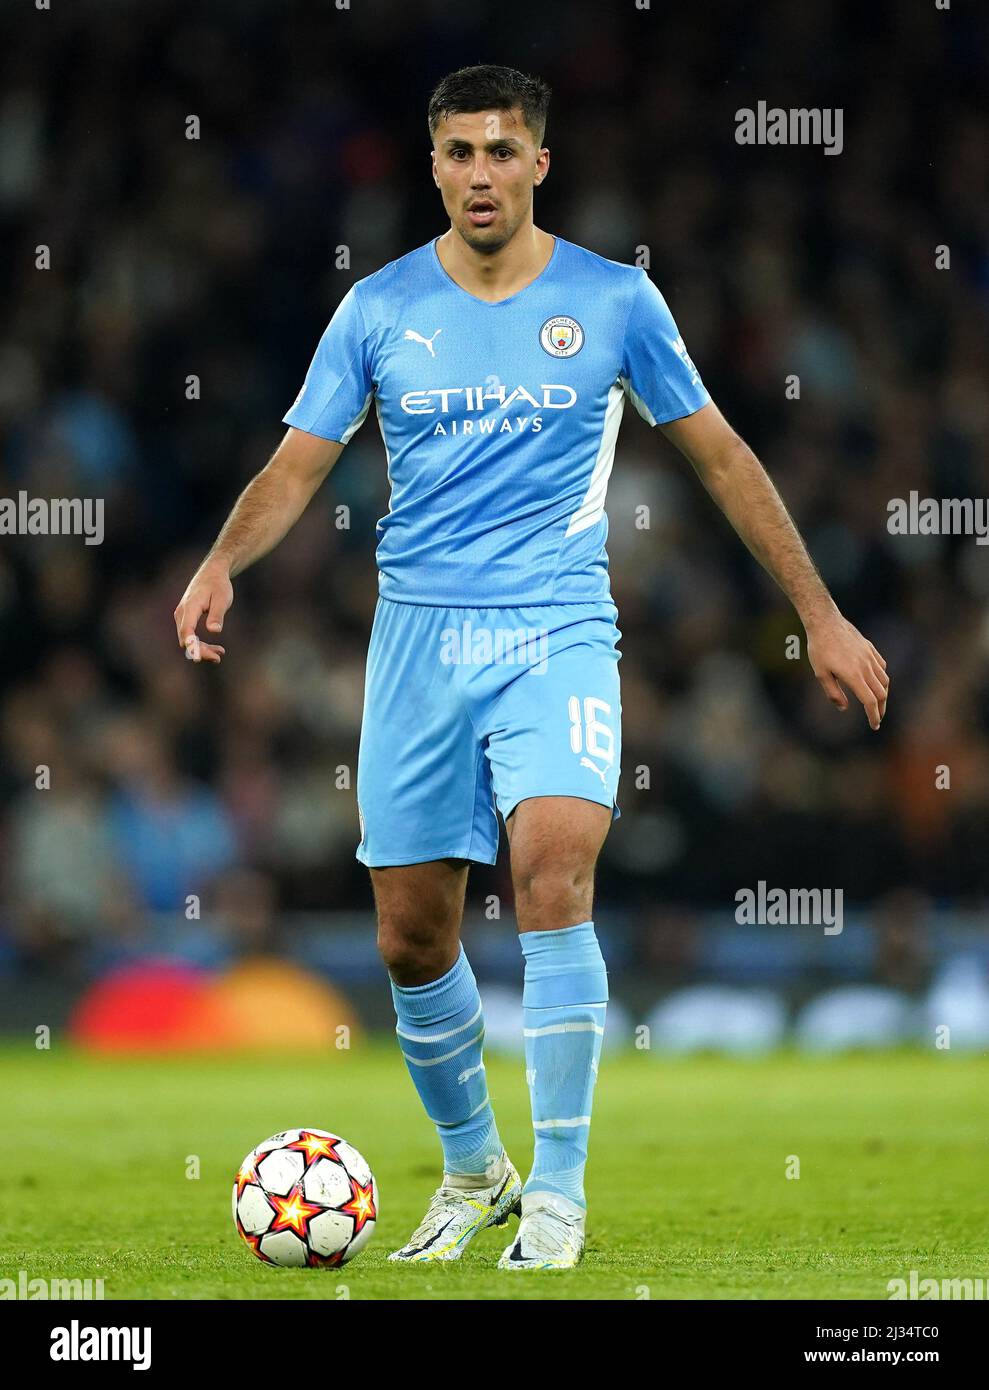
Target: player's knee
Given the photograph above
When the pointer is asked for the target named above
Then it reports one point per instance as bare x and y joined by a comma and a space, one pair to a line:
547, 894
414, 948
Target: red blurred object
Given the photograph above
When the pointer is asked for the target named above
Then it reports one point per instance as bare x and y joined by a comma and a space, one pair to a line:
161, 1006
152, 1006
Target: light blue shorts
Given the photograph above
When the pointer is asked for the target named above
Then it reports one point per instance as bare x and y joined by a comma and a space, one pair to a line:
468, 711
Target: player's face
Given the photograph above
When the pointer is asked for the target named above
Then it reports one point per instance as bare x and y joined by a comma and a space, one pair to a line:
486, 164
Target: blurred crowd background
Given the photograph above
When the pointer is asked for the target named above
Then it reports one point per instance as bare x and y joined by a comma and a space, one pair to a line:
218, 257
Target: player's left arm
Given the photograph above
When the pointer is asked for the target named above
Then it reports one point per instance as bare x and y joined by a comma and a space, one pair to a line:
836, 650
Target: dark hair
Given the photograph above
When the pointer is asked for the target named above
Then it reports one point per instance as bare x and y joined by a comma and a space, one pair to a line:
489, 87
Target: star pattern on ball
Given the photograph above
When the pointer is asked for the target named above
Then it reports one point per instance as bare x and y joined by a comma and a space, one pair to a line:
247, 1173
361, 1204
315, 1261
293, 1212
316, 1146
253, 1241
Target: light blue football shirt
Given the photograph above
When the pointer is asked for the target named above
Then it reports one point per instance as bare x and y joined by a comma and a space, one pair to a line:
499, 420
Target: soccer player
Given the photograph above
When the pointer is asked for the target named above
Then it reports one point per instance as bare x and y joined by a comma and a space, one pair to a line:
499, 358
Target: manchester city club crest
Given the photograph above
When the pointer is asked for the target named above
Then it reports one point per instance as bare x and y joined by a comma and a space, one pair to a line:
561, 336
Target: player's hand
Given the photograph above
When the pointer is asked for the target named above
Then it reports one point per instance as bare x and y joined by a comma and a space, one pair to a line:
838, 652
209, 592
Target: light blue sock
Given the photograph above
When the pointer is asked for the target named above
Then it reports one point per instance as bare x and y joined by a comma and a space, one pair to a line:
440, 1031
564, 1004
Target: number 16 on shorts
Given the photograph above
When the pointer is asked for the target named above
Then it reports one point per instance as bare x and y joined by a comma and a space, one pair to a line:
591, 738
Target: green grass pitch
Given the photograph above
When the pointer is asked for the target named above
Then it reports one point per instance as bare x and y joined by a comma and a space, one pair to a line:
687, 1187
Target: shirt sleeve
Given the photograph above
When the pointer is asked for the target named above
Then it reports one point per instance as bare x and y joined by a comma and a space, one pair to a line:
336, 394
657, 373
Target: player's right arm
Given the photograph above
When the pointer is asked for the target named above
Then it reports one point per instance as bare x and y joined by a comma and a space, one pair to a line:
263, 514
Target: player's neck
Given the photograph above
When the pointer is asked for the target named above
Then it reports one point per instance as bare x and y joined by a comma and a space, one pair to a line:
498, 274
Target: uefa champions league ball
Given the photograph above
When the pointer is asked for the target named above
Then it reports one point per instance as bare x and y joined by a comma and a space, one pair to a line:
305, 1198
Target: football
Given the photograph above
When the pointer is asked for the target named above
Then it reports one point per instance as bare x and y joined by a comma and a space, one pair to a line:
305, 1197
